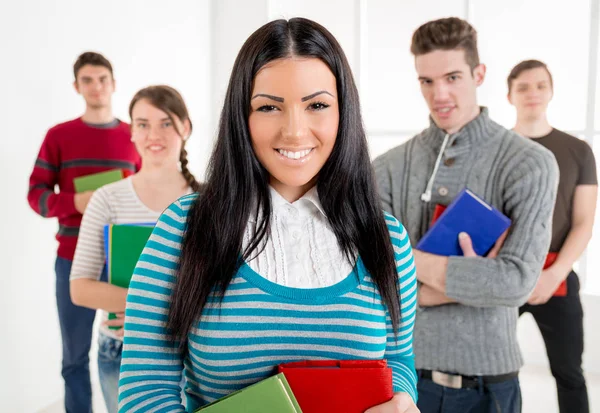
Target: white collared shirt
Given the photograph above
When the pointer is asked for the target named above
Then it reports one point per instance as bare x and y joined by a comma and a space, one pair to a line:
302, 250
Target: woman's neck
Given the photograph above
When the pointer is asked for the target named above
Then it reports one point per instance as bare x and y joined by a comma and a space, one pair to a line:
159, 187
291, 193
160, 176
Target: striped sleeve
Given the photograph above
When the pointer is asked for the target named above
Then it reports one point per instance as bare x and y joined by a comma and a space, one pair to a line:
151, 365
89, 255
399, 350
43, 179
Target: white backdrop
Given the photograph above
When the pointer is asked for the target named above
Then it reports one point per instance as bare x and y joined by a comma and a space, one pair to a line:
191, 45
147, 43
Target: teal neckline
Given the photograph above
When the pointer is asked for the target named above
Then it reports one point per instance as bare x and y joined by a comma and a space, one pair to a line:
353, 280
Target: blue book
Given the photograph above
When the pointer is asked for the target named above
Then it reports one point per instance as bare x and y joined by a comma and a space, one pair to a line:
467, 213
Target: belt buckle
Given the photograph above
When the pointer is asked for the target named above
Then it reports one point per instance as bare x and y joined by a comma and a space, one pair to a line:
446, 380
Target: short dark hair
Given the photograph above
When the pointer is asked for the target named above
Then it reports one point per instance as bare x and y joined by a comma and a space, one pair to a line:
91, 58
527, 65
449, 33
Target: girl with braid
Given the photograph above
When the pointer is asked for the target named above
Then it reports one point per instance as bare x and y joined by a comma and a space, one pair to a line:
160, 127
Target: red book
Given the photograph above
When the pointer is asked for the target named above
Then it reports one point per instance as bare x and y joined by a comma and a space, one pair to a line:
561, 291
349, 386
437, 212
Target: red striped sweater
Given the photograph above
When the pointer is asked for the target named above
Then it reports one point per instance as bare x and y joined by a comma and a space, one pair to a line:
70, 150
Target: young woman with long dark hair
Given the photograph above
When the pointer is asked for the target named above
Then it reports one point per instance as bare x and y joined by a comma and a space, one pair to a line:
286, 255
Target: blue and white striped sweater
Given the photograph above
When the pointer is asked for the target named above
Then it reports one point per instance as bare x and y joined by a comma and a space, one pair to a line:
258, 325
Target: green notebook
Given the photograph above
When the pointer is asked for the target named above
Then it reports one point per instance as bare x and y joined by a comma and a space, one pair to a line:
125, 244
95, 181
272, 395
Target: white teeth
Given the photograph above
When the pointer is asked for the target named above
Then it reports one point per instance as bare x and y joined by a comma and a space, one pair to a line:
294, 155
445, 110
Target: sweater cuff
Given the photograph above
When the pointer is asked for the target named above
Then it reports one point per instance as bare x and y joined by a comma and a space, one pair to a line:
61, 205
404, 376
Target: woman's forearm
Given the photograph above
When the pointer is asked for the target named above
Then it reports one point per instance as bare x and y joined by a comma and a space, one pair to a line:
95, 294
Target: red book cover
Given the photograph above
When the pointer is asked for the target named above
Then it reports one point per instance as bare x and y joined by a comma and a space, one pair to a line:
349, 386
561, 291
439, 210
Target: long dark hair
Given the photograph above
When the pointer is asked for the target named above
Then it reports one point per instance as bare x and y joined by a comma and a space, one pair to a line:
213, 240
171, 102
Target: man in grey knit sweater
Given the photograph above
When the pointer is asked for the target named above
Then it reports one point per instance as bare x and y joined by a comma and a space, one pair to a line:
466, 349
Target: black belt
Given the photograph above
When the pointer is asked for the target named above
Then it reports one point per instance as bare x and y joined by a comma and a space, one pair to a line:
458, 381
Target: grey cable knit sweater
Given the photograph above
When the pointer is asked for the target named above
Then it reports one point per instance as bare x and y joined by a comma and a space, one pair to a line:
518, 177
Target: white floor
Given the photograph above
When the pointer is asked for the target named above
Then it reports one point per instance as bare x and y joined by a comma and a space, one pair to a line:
539, 390
539, 393
97, 401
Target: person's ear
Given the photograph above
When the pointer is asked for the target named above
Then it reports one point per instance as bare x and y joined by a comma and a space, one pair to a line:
479, 74
187, 129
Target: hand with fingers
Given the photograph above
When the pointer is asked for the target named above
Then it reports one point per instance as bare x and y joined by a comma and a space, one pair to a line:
116, 322
82, 200
466, 244
400, 403
547, 284
430, 297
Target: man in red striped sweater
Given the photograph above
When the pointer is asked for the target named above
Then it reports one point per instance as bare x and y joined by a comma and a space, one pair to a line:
94, 142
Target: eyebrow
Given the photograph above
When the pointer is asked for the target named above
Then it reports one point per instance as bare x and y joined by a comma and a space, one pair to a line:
281, 100
275, 98
86, 78
455, 72
146, 120
541, 82
320, 92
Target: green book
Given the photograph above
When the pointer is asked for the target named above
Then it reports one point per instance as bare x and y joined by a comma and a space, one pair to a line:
124, 245
272, 395
95, 181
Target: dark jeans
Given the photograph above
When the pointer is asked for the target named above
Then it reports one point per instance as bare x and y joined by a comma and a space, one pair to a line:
76, 325
560, 321
504, 397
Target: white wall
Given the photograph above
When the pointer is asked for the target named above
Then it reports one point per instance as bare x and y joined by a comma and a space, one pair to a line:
232, 21
191, 45
148, 42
